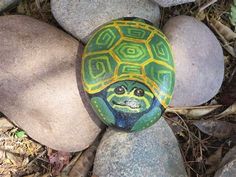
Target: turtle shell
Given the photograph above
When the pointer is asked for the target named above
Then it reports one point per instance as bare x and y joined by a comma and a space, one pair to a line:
129, 50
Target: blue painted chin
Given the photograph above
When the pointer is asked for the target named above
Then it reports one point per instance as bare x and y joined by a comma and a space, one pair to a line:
126, 121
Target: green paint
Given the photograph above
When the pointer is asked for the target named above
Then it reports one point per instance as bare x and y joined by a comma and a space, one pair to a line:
129, 100
133, 52
103, 40
147, 119
102, 111
122, 52
135, 33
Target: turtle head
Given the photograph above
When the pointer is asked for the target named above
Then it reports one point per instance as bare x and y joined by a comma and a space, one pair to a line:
129, 97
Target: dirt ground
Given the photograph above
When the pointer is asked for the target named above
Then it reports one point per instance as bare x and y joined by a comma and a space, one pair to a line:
205, 133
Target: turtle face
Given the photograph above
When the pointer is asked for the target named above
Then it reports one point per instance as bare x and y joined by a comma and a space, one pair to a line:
129, 97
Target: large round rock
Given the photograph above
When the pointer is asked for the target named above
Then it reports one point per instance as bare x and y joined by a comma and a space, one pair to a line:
82, 17
198, 58
38, 84
152, 152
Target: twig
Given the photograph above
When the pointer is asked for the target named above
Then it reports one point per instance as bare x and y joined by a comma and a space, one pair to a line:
37, 157
207, 5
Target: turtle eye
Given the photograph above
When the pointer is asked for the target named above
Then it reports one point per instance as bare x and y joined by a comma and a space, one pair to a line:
139, 92
120, 90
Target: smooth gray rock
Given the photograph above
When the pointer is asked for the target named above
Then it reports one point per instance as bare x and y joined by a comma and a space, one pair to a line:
198, 58
169, 3
153, 152
38, 84
82, 17
4, 4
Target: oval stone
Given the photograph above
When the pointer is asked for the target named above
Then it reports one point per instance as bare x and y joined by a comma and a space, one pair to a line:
153, 152
198, 58
38, 84
82, 17
128, 73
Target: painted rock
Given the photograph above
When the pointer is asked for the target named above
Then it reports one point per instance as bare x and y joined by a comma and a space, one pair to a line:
4, 4
153, 152
169, 3
128, 72
38, 84
82, 17
199, 61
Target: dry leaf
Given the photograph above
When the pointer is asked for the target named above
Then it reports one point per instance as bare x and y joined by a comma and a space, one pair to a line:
85, 162
193, 112
229, 111
14, 158
226, 162
231, 155
215, 158
225, 45
216, 128
58, 160
224, 30
70, 165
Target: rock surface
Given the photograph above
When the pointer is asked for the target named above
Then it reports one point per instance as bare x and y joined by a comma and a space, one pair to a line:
227, 165
82, 17
169, 3
6, 3
198, 58
38, 84
152, 152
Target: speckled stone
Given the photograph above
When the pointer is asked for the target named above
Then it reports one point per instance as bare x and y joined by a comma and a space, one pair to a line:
169, 3
198, 58
4, 4
153, 152
38, 84
82, 17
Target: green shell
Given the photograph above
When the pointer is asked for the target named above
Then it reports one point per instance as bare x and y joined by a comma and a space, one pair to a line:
129, 50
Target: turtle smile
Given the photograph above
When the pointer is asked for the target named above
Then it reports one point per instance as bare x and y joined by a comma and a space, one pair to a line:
127, 104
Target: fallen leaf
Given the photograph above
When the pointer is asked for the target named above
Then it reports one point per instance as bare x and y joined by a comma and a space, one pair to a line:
215, 158
216, 128
224, 30
193, 112
229, 111
14, 158
85, 162
58, 160
226, 45
227, 162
